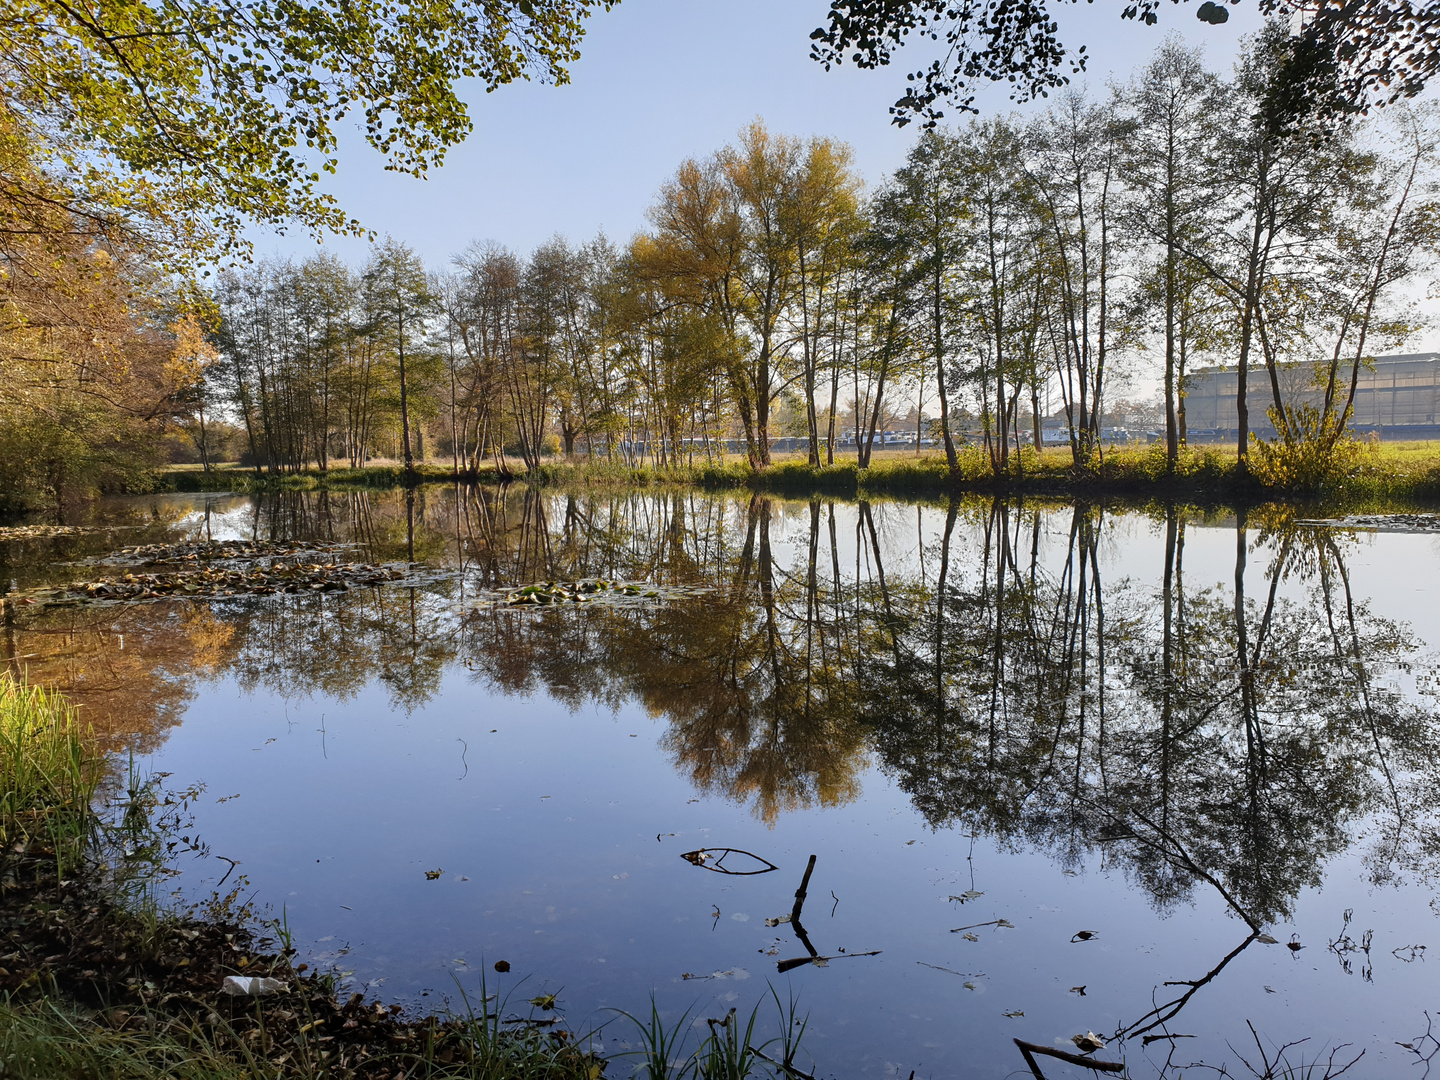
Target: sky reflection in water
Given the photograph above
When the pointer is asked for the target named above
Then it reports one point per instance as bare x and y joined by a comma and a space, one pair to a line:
1041, 711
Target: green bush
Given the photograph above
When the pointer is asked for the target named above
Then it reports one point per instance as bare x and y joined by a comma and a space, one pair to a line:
1313, 459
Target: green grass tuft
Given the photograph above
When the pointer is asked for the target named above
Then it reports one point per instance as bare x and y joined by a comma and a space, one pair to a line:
47, 775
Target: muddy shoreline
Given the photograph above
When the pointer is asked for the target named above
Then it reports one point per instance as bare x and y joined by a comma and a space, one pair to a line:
74, 944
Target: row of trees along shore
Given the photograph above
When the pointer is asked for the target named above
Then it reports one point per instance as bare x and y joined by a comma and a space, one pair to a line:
1007, 270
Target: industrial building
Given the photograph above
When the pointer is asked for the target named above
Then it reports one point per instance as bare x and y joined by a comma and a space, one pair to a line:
1399, 398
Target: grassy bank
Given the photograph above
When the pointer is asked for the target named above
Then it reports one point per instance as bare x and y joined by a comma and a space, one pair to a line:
228, 478
1400, 471
101, 981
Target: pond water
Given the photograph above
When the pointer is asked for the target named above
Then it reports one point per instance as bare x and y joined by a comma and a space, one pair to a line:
1155, 775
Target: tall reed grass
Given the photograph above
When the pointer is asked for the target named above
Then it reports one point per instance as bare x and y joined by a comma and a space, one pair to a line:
48, 775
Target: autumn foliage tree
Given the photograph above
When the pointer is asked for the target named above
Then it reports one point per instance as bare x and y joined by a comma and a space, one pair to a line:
91, 371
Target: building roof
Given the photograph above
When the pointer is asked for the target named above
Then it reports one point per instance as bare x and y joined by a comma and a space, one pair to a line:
1398, 358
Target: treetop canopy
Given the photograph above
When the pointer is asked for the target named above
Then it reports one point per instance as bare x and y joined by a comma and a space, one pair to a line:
1340, 57
209, 113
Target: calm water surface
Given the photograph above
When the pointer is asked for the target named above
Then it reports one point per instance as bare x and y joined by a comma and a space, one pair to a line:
1034, 749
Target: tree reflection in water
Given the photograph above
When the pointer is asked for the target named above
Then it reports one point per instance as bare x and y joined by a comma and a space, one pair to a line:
1221, 738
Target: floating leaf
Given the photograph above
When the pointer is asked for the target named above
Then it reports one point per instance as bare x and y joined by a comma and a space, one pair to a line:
1085, 935
968, 895
1015, 1015
545, 1002
1078, 990
431, 875
1266, 939
1088, 1043
969, 937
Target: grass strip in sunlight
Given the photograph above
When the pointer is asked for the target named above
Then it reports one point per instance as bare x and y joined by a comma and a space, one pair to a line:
1400, 470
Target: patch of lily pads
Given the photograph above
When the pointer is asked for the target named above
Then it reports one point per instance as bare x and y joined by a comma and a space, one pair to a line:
1400, 523
45, 532
598, 590
212, 582
204, 551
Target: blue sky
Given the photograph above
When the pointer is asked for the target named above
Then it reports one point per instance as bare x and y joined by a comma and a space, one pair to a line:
662, 80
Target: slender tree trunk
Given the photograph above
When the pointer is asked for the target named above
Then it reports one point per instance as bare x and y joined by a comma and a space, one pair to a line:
404, 398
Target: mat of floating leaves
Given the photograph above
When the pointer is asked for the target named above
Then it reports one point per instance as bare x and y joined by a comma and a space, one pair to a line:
217, 581
552, 593
43, 532
1402, 523
197, 551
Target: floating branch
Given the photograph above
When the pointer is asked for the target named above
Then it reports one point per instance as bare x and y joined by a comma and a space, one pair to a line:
820, 961
714, 859
795, 924
1028, 1050
952, 971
